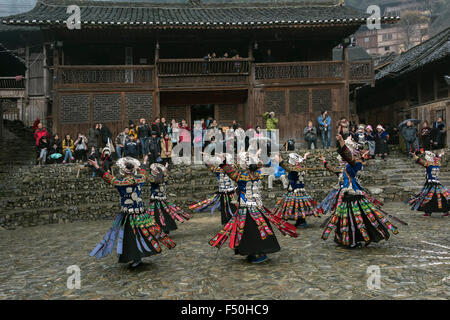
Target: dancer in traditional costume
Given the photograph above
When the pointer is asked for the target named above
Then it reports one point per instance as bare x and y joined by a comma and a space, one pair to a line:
164, 211
328, 204
355, 218
296, 203
136, 230
224, 198
434, 197
250, 229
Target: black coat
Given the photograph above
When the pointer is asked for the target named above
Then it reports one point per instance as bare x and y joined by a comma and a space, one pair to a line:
44, 145
143, 131
58, 148
131, 149
105, 133
154, 145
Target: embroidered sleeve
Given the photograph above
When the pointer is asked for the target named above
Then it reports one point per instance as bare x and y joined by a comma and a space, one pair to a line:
330, 168
112, 180
346, 154
148, 177
232, 171
422, 162
289, 167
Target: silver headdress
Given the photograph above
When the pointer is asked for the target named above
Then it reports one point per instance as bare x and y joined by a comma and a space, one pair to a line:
432, 157
128, 165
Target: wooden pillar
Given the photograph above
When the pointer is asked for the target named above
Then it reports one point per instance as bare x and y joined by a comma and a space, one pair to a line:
347, 83
56, 102
419, 90
251, 84
27, 82
157, 101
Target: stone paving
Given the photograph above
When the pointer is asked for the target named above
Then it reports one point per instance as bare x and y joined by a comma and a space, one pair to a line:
413, 265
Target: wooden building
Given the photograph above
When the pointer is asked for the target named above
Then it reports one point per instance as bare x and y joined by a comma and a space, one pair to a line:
133, 60
412, 85
23, 93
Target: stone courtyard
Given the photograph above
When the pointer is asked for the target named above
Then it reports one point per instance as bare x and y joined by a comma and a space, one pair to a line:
415, 264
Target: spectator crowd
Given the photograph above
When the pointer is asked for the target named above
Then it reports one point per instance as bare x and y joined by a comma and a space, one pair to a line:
158, 139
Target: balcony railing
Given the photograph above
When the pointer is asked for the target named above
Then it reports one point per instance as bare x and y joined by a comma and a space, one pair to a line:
361, 71
215, 73
12, 83
105, 74
202, 67
326, 70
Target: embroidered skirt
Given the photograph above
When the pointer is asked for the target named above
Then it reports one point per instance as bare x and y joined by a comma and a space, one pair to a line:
137, 236
434, 197
165, 213
295, 205
222, 200
251, 233
329, 203
356, 219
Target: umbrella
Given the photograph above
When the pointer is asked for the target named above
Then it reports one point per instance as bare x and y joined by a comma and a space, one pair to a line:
414, 121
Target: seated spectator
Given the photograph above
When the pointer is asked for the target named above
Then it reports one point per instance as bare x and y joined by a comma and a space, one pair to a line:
106, 159
43, 150
93, 155
166, 149
131, 147
38, 134
55, 151
68, 149
81, 148
310, 133
121, 140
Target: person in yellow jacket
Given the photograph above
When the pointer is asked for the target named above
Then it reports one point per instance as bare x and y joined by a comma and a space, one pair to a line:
68, 148
133, 130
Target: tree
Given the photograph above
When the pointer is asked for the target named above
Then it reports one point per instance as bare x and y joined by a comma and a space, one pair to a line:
410, 23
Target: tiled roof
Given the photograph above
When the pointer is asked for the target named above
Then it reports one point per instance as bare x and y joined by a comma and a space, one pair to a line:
434, 49
354, 54
9, 53
210, 15
13, 28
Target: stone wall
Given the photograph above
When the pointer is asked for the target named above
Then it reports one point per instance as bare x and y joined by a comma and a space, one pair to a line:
36, 195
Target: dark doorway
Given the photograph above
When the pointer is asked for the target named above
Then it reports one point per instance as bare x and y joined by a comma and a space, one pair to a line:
201, 111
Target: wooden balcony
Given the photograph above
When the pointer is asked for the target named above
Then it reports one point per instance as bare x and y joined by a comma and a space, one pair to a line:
69, 76
12, 83
215, 73
361, 72
203, 73
299, 71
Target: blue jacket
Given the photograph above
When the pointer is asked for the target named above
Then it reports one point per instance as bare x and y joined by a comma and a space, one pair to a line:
322, 123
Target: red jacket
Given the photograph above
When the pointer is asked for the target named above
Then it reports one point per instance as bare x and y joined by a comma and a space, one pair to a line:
39, 133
